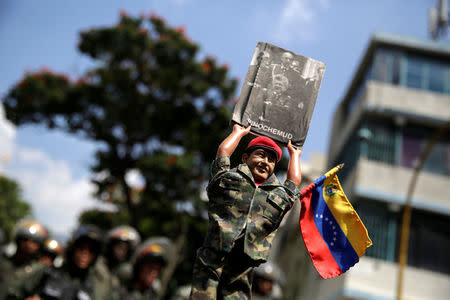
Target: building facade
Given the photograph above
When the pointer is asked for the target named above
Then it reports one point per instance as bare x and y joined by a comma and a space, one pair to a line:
397, 100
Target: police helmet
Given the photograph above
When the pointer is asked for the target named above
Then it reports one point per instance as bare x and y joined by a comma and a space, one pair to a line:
268, 271
52, 247
32, 230
156, 249
89, 233
124, 233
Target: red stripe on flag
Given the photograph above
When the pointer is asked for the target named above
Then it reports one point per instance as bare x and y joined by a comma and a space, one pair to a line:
321, 256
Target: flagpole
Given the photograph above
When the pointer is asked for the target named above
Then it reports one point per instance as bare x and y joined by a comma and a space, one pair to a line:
406, 221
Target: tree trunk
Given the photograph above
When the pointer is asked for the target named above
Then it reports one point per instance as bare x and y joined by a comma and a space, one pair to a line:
177, 256
132, 213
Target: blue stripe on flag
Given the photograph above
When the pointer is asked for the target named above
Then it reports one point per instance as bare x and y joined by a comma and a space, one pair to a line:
337, 242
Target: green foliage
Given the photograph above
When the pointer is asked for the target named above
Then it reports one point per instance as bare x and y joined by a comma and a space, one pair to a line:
105, 220
12, 206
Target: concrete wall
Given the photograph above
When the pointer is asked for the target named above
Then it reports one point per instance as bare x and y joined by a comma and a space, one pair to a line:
383, 98
389, 183
413, 102
375, 279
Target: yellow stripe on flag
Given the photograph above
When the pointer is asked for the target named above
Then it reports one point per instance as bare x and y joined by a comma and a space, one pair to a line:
344, 213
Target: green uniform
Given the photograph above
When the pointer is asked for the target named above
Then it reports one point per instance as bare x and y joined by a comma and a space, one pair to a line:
10, 272
243, 219
122, 272
64, 283
134, 294
6, 269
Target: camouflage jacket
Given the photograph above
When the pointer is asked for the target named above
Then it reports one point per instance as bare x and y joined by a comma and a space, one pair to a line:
236, 203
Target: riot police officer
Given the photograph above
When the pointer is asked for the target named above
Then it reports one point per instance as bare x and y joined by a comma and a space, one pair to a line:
266, 282
50, 250
28, 236
148, 262
76, 278
121, 242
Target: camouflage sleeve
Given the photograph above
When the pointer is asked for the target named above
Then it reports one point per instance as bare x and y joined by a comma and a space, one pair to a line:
292, 190
219, 165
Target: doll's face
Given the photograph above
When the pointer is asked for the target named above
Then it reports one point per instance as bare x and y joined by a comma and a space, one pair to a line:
261, 163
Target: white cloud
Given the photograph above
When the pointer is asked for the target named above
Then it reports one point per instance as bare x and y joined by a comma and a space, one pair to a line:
7, 136
57, 198
298, 19
30, 156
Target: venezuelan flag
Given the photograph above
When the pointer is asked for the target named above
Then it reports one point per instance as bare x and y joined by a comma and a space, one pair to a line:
332, 231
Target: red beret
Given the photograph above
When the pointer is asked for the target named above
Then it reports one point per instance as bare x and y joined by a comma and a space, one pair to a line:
266, 143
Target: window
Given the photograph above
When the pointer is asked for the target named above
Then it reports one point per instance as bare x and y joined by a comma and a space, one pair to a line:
387, 65
436, 81
411, 70
396, 146
415, 73
429, 240
414, 140
411, 147
427, 73
429, 243
381, 146
382, 225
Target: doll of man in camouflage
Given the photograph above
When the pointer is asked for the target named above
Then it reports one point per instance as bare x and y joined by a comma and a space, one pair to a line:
246, 206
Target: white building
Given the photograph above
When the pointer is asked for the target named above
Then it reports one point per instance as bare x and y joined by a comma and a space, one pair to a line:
397, 99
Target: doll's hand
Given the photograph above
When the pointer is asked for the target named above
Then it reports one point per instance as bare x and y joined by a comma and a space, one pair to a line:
241, 130
293, 151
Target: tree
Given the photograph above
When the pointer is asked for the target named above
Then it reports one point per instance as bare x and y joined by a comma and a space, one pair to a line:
151, 103
12, 206
148, 95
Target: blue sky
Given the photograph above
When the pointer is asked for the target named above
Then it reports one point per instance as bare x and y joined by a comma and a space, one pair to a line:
53, 168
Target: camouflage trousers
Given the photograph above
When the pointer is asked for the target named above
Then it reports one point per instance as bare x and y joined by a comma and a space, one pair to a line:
223, 275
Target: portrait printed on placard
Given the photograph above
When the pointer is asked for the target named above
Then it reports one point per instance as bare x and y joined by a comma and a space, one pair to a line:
279, 94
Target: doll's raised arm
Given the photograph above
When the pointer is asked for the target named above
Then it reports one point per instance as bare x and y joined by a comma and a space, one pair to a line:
229, 144
294, 172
